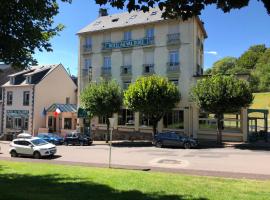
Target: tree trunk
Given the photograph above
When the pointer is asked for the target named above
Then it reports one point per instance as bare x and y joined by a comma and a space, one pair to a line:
154, 128
108, 130
219, 128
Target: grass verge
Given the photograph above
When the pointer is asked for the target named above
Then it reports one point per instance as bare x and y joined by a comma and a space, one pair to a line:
57, 182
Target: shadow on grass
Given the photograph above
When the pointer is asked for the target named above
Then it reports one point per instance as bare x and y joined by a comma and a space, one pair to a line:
56, 187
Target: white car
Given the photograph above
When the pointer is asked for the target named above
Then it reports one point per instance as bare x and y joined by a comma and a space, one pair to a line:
31, 147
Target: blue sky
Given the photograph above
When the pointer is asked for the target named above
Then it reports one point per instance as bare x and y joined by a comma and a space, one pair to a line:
228, 34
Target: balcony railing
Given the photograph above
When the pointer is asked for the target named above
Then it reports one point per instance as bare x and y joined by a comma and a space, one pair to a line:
173, 38
126, 70
87, 48
106, 71
173, 67
86, 72
148, 69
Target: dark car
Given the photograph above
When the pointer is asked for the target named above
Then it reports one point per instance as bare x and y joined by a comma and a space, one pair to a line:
76, 138
174, 139
51, 138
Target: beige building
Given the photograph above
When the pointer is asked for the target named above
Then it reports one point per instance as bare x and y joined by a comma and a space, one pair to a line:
28, 93
128, 45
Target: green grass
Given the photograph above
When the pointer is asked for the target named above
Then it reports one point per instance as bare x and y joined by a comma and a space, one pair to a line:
46, 181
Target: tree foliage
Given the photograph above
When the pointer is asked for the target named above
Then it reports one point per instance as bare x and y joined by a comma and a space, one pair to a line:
255, 61
26, 25
180, 8
102, 99
153, 96
221, 94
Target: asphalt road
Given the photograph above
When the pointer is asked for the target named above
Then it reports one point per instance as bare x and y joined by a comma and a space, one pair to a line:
228, 162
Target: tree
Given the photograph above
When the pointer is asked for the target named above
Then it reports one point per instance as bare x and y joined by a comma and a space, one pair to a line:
102, 99
221, 94
224, 65
180, 8
153, 96
26, 25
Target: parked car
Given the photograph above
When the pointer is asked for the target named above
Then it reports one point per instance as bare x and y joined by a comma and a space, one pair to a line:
75, 138
174, 139
34, 146
51, 138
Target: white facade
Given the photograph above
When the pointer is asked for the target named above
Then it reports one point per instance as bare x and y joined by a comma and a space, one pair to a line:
129, 45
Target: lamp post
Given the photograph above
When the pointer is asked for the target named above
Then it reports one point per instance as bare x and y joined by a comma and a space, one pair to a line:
111, 120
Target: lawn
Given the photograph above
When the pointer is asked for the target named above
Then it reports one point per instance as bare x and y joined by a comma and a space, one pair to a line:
46, 181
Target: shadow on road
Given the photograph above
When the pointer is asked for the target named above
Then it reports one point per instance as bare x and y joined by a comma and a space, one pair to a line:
56, 187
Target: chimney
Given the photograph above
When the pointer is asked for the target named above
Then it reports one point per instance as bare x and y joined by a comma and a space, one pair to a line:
103, 12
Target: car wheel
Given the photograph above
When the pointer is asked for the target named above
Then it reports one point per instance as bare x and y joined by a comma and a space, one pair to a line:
159, 144
65, 143
13, 153
37, 155
81, 143
187, 145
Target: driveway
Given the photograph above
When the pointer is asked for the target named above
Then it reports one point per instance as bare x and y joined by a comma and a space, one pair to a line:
229, 162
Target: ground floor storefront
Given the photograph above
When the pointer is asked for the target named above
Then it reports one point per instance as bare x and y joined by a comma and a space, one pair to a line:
188, 120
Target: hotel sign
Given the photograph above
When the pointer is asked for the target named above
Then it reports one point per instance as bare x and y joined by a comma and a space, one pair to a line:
128, 43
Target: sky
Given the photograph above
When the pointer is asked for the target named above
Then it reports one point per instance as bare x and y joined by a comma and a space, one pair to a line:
229, 34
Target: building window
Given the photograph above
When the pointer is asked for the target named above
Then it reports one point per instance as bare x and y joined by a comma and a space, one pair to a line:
126, 84
150, 32
127, 35
126, 117
50, 121
174, 57
67, 123
12, 80
9, 98
87, 63
67, 100
102, 120
28, 79
107, 62
9, 122
26, 98
88, 42
26, 122
174, 81
174, 119
18, 123
144, 120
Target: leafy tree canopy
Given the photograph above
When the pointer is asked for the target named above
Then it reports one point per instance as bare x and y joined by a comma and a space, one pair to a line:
219, 94
224, 65
152, 96
26, 25
180, 8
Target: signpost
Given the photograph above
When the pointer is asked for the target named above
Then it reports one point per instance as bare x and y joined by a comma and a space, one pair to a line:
111, 130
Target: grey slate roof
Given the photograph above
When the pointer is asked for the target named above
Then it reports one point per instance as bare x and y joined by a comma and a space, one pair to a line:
63, 107
123, 19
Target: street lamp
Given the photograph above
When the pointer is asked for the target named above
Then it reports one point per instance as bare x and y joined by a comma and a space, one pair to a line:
111, 120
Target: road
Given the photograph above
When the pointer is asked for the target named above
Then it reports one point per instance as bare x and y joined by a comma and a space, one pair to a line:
249, 163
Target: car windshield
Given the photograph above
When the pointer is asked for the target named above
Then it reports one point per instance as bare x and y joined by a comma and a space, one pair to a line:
39, 142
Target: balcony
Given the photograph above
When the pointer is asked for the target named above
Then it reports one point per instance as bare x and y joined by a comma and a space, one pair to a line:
126, 70
106, 71
87, 48
86, 73
173, 67
148, 69
173, 38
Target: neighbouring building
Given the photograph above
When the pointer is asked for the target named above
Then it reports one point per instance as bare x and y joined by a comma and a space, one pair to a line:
128, 45
29, 93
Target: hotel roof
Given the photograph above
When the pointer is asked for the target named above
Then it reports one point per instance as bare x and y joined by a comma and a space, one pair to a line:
127, 19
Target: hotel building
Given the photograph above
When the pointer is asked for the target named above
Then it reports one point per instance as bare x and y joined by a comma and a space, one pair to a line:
126, 46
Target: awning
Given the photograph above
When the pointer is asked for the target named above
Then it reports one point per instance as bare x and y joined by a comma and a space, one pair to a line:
82, 113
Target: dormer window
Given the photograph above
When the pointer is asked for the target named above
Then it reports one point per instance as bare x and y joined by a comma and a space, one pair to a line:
115, 19
12, 80
28, 79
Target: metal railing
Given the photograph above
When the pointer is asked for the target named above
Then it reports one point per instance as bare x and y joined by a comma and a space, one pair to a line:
87, 48
173, 38
126, 70
148, 68
173, 67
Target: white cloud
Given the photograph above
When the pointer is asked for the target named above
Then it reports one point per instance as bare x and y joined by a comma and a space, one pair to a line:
214, 53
